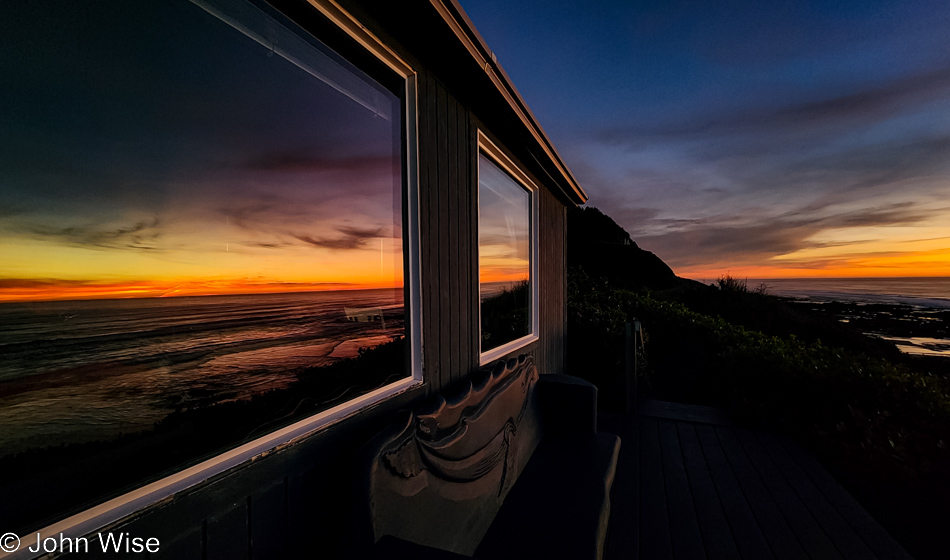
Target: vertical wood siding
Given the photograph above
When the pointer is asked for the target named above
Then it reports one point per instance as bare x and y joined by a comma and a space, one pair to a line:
552, 270
447, 227
449, 207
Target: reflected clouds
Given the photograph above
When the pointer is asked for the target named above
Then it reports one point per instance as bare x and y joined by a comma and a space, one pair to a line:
142, 235
191, 162
503, 222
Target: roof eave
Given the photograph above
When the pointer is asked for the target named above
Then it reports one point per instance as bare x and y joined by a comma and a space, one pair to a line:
465, 31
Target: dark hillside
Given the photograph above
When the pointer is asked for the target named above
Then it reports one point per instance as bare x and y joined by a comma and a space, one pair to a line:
603, 249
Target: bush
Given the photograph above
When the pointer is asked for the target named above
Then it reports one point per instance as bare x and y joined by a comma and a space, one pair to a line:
878, 419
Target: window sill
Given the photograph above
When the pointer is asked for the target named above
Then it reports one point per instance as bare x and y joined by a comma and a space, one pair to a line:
507, 348
95, 518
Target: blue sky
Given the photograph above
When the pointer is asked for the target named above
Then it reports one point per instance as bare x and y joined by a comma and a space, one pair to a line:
757, 138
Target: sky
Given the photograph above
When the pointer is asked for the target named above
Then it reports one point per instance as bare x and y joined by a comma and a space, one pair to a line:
757, 139
138, 162
503, 218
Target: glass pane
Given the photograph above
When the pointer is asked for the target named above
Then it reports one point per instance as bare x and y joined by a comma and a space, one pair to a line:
201, 240
504, 256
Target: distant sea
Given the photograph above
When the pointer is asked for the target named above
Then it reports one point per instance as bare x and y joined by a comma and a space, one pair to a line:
74, 371
921, 292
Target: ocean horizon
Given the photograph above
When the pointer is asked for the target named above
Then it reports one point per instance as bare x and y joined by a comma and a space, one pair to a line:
920, 291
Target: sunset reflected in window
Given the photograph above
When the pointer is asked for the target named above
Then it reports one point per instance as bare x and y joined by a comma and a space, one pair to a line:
504, 256
202, 237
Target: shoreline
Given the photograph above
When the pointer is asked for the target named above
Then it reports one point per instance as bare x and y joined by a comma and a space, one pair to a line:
914, 329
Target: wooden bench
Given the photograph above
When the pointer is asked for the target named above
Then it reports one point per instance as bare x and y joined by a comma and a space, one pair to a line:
511, 467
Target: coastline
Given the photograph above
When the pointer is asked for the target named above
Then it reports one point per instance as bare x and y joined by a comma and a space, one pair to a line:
912, 313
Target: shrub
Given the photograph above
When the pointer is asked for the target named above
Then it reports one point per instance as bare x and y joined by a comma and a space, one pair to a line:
879, 419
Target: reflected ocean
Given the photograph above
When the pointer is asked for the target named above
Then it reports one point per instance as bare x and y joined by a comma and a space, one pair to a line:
87, 370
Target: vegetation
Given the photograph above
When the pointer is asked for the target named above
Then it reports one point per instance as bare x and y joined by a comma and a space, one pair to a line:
506, 315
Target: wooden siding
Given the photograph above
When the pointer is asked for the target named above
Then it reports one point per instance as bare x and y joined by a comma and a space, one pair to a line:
448, 213
552, 218
449, 209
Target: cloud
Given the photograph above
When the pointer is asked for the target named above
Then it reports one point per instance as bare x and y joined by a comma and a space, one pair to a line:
7, 210
872, 104
266, 214
11, 283
352, 238
263, 245
295, 163
359, 233
142, 235
743, 187
756, 239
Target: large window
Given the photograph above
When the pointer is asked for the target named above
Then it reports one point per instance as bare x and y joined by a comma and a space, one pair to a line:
506, 254
201, 214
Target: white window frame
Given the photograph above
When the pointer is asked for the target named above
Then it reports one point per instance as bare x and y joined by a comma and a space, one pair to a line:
499, 158
114, 510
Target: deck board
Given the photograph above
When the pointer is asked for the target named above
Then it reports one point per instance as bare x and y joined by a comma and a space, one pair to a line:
838, 530
738, 513
718, 536
860, 520
684, 527
809, 532
655, 540
782, 540
623, 536
691, 485
680, 411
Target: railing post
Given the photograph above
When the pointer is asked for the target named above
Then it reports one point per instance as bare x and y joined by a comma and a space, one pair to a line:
630, 366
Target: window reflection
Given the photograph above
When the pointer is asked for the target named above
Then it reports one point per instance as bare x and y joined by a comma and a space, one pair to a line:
504, 249
200, 208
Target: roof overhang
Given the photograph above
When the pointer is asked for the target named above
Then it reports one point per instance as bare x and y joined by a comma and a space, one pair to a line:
460, 24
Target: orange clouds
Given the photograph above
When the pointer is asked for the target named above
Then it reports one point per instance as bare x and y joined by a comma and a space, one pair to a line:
845, 265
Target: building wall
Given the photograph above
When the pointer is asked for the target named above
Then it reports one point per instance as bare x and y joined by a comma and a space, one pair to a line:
302, 499
448, 201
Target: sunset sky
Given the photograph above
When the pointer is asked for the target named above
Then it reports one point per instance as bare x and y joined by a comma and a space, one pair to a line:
503, 217
761, 139
140, 163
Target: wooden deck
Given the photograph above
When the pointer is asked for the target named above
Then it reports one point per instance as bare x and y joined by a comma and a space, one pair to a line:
691, 485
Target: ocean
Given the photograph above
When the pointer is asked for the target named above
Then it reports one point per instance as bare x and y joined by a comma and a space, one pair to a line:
923, 292
76, 371
915, 311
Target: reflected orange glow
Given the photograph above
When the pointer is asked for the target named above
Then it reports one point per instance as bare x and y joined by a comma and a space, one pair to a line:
487, 276
14, 290
38, 271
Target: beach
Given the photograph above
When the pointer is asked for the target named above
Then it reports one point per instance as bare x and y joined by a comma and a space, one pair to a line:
913, 313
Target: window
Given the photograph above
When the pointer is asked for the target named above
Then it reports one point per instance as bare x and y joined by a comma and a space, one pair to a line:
202, 213
507, 263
